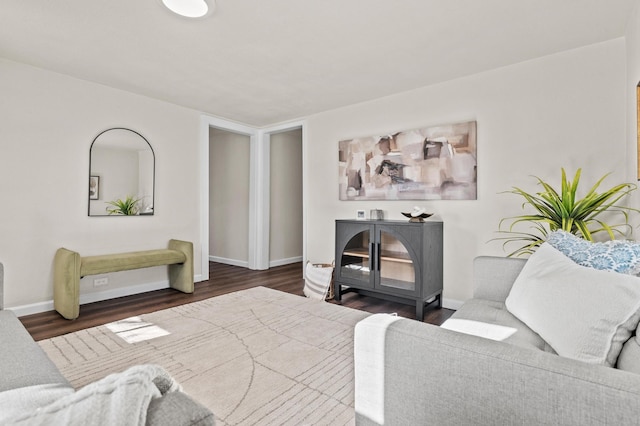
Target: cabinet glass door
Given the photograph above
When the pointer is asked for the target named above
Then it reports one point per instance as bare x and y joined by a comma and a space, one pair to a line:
355, 263
395, 264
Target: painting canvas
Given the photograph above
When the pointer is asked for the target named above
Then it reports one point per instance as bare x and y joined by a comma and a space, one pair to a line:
430, 163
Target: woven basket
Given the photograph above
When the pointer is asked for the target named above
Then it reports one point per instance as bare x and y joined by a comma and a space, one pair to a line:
315, 289
327, 265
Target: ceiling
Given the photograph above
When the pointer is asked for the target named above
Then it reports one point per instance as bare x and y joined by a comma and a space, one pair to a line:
263, 62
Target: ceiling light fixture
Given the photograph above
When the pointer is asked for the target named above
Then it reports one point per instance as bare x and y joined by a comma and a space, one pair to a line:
189, 8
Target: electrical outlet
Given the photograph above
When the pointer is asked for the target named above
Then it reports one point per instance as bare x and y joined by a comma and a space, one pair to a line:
100, 281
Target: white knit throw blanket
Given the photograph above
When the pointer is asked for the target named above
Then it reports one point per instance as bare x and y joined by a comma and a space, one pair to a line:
118, 399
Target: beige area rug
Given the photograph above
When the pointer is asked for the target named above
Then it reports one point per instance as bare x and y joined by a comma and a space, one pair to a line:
256, 356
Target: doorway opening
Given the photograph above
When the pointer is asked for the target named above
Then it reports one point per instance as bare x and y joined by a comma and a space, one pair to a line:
229, 159
260, 210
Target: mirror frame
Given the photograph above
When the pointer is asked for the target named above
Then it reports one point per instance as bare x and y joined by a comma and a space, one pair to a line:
153, 172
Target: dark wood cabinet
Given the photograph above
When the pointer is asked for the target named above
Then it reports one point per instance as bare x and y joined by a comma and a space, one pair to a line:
394, 260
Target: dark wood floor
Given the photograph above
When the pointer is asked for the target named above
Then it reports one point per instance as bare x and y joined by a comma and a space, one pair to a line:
222, 279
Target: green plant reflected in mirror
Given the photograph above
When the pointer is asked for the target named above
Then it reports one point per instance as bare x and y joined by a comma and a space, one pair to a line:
130, 206
121, 174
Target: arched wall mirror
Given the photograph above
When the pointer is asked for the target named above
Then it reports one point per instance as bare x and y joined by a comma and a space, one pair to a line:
121, 174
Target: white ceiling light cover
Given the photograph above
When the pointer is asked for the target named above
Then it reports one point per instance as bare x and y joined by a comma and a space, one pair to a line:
188, 8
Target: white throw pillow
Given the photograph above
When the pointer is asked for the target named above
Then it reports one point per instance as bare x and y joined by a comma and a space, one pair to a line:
583, 313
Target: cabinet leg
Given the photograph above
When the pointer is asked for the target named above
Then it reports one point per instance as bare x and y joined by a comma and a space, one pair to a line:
337, 296
419, 310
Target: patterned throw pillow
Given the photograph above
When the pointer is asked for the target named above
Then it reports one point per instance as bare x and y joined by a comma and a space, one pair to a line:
616, 255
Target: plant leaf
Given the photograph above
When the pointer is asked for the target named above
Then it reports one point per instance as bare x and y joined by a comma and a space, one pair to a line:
555, 210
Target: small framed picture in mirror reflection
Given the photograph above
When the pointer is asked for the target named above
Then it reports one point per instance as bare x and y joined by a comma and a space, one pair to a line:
94, 187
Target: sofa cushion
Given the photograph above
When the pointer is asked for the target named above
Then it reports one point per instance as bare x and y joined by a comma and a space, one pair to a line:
495, 313
494, 276
583, 313
178, 409
478, 328
617, 255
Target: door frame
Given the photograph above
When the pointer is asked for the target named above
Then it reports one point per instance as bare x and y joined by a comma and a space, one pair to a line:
259, 187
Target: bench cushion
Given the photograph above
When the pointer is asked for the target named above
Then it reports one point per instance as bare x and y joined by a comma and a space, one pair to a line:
102, 264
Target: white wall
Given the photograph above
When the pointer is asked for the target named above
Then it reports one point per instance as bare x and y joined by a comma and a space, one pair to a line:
229, 155
565, 110
572, 109
48, 123
285, 242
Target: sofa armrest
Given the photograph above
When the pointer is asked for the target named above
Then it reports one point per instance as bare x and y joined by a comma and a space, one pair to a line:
23, 362
178, 409
494, 276
436, 376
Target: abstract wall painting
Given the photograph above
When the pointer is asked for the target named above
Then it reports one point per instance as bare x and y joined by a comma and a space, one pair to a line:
430, 163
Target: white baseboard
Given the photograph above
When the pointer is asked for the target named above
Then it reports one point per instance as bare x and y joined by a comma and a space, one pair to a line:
232, 262
33, 308
245, 264
36, 308
98, 296
288, 261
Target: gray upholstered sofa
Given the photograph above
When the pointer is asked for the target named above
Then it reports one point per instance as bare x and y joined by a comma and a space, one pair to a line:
26, 372
408, 372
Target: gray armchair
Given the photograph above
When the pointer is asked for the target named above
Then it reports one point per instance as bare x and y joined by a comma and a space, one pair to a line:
408, 372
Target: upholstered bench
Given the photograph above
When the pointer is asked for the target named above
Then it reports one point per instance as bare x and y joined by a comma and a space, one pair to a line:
69, 267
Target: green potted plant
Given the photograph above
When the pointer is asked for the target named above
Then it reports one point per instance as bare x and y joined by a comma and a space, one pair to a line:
554, 210
127, 207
